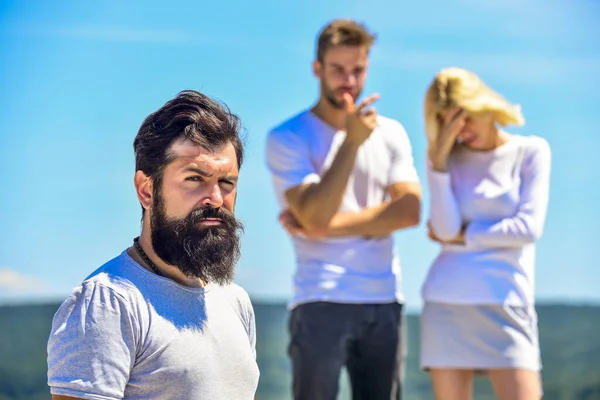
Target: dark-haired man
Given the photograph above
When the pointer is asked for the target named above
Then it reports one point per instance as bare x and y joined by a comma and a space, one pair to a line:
163, 320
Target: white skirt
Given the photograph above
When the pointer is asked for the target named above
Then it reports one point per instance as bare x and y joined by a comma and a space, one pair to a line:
479, 337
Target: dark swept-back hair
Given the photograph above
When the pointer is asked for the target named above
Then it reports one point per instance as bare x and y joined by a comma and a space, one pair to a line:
190, 115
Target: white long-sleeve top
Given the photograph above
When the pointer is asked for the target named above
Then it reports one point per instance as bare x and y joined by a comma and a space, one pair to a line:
502, 197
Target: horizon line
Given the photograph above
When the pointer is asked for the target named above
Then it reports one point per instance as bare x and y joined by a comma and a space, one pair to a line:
271, 301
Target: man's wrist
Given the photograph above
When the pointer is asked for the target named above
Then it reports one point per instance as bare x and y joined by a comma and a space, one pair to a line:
440, 166
352, 143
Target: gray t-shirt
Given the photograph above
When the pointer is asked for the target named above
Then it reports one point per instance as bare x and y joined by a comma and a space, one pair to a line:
126, 333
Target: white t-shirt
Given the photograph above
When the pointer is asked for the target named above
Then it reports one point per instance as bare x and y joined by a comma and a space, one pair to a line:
503, 196
352, 269
127, 333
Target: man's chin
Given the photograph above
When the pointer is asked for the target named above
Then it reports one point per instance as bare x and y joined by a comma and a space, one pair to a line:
211, 259
336, 103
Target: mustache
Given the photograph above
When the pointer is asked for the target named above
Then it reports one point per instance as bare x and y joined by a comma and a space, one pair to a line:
204, 213
209, 252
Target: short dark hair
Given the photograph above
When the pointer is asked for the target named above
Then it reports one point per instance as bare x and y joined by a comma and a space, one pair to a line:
190, 115
343, 32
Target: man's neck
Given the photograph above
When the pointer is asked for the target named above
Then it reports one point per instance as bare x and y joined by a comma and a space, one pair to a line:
168, 271
329, 114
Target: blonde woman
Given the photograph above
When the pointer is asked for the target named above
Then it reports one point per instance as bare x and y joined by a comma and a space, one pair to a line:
489, 196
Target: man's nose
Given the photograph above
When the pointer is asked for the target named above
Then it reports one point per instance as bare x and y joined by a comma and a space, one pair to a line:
351, 79
213, 197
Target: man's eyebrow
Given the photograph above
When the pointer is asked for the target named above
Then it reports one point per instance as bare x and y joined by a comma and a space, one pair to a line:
198, 171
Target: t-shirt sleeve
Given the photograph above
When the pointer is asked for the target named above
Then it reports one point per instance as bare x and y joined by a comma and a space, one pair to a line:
91, 348
249, 318
252, 328
243, 305
403, 165
288, 160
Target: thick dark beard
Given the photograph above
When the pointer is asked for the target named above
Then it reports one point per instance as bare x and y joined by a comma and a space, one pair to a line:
209, 253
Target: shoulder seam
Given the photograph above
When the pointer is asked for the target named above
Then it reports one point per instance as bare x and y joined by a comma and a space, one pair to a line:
111, 289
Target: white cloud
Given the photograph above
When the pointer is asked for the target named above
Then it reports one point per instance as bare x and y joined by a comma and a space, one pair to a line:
13, 281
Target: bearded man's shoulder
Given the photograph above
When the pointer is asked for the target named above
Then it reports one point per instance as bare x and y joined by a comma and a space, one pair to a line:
120, 276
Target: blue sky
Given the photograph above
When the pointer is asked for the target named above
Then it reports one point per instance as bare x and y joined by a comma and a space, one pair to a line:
78, 78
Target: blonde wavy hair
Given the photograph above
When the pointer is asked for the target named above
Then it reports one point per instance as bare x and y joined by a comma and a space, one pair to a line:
458, 87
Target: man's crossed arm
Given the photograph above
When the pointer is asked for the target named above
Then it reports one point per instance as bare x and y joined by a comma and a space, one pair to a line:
403, 210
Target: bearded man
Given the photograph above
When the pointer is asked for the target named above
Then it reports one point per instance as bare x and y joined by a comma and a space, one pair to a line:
163, 319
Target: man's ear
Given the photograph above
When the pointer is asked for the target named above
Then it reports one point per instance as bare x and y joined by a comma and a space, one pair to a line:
317, 69
143, 187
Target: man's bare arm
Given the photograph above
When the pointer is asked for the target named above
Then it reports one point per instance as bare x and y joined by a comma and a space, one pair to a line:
314, 205
59, 397
402, 211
